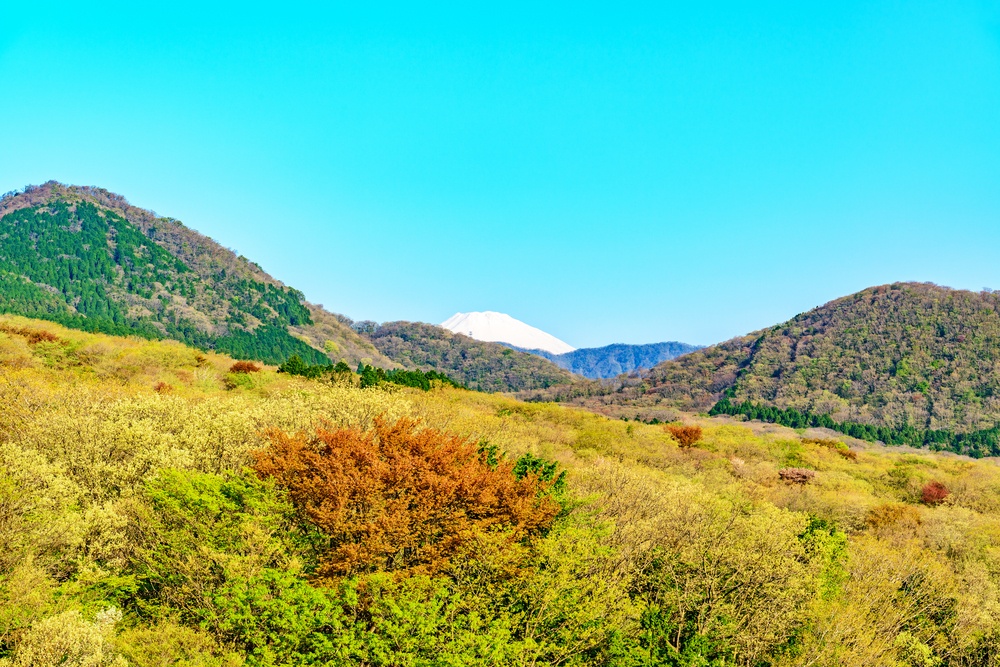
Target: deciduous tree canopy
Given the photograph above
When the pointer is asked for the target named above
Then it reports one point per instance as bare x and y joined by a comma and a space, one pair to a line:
401, 498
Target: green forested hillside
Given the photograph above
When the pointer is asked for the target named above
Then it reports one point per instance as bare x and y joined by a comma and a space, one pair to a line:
164, 506
476, 364
919, 360
87, 259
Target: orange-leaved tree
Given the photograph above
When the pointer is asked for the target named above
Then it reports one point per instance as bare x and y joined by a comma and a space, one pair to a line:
686, 436
244, 367
399, 497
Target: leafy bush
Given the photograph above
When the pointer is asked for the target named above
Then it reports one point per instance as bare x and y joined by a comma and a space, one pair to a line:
686, 436
168, 643
934, 493
33, 336
244, 367
796, 475
398, 498
69, 640
836, 445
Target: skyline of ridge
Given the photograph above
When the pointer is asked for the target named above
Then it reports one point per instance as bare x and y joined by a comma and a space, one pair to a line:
22, 197
123, 201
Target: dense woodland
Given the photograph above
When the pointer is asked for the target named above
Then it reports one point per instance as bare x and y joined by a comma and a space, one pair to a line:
160, 505
478, 365
86, 258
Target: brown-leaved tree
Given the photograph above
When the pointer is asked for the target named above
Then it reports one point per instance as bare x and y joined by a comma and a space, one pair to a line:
400, 498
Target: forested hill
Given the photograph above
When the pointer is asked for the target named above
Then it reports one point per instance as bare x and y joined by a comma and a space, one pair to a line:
477, 365
907, 363
902, 355
86, 258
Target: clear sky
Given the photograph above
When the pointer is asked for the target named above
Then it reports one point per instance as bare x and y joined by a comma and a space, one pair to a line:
608, 173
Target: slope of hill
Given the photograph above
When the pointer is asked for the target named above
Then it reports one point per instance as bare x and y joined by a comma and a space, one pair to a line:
86, 258
903, 363
611, 361
901, 354
493, 327
160, 508
476, 364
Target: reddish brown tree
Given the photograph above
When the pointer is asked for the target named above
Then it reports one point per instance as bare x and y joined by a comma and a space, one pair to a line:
685, 436
398, 497
796, 475
934, 493
34, 336
244, 367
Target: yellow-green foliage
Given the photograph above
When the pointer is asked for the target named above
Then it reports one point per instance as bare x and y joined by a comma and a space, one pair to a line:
664, 555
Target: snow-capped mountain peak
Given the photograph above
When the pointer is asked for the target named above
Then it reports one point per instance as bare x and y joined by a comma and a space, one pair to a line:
502, 328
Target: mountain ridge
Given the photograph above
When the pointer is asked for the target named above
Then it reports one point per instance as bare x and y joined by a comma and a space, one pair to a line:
481, 365
153, 276
910, 363
609, 361
899, 346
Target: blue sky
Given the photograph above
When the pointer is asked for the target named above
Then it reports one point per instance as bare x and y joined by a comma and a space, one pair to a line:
608, 173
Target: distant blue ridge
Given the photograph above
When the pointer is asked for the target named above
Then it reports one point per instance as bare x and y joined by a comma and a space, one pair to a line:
611, 361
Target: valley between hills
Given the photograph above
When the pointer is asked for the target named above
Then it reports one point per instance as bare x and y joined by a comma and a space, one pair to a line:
198, 467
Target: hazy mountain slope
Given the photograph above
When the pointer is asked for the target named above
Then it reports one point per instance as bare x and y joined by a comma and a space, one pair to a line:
476, 364
86, 258
612, 360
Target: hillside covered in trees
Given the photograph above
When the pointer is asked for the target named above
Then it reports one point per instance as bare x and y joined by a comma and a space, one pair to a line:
86, 258
164, 506
489, 367
907, 363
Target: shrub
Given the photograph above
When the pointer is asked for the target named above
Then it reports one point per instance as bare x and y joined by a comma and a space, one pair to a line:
162, 388
34, 336
835, 445
895, 516
244, 367
796, 475
70, 640
170, 644
685, 436
848, 454
397, 498
934, 493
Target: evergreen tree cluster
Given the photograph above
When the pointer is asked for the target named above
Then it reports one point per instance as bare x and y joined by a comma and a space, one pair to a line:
369, 376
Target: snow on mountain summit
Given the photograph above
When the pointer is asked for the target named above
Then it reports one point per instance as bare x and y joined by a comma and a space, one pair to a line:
501, 328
